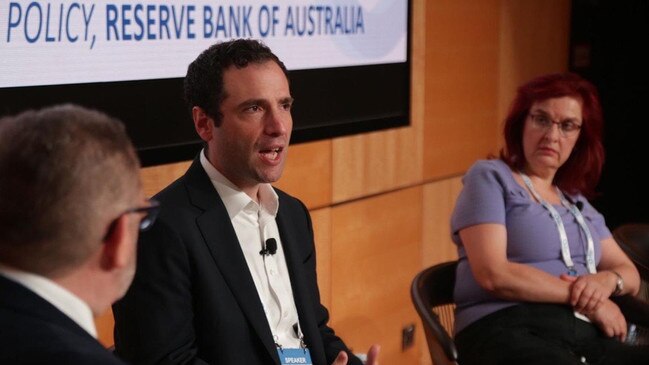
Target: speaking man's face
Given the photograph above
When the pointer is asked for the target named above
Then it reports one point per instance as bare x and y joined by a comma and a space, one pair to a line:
251, 144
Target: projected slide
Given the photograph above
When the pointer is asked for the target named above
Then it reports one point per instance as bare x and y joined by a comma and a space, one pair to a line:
65, 42
348, 61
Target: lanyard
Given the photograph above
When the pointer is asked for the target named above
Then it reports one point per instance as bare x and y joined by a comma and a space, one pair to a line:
565, 249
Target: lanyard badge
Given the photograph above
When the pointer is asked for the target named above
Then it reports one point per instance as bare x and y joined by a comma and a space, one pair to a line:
565, 248
289, 356
294, 356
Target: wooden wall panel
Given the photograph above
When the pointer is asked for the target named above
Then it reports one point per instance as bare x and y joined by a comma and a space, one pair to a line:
376, 162
375, 254
322, 234
307, 174
156, 178
461, 84
105, 324
438, 203
382, 161
534, 39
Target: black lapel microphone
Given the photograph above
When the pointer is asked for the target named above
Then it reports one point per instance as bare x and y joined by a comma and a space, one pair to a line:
270, 247
579, 204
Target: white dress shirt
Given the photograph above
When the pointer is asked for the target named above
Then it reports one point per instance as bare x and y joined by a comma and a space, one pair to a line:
255, 223
68, 303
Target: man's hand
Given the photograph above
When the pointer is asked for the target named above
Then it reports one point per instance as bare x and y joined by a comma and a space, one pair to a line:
372, 356
341, 359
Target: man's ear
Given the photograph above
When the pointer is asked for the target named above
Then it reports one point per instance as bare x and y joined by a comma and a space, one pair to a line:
117, 244
203, 123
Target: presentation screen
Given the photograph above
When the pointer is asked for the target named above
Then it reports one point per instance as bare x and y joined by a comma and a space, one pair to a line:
348, 61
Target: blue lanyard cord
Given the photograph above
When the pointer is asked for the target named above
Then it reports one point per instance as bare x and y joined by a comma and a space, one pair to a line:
565, 248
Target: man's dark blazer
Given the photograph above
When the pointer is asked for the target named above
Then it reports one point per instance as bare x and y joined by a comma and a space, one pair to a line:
193, 300
33, 331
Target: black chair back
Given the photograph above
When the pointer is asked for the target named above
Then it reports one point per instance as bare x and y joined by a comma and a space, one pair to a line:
432, 295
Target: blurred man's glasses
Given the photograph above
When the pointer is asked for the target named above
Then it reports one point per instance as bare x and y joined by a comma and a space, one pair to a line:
150, 214
567, 128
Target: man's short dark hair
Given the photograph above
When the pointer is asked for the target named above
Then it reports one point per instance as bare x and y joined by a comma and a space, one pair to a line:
204, 80
65, 173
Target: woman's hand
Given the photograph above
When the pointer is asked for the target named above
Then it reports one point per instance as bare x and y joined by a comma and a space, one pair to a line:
588, 292
609, 319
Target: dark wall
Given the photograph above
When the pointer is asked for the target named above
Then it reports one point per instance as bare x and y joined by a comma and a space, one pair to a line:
609, 42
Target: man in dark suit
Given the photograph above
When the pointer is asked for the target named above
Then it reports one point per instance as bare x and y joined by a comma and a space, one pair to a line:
71, 205
227, 275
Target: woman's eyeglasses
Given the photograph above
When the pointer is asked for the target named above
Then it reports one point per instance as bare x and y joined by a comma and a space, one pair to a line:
567, 128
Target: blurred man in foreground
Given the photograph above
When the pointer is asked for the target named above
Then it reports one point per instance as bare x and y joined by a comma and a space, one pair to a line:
71, 206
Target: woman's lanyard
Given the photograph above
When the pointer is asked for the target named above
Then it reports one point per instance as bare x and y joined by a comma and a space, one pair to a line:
565, 248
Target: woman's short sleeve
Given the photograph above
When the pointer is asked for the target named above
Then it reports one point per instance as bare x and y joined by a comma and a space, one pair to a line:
482, 197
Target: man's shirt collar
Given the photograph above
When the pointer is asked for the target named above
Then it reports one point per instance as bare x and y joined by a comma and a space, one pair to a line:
234, 199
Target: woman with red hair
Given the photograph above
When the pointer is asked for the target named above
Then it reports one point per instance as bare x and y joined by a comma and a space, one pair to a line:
537, 265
